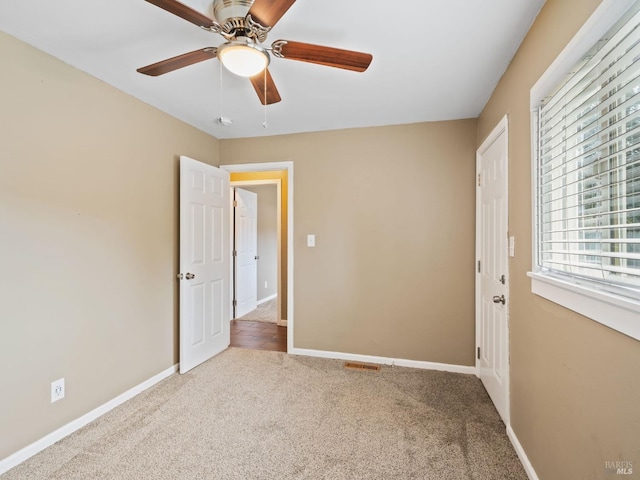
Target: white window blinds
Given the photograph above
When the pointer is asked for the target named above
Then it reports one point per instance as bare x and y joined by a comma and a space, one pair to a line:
588, 191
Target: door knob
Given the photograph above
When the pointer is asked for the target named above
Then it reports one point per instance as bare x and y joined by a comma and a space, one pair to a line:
257, 257
189, 276
496, 299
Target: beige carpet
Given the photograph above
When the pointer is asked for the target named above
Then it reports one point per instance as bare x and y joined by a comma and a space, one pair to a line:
249, 414
266, 312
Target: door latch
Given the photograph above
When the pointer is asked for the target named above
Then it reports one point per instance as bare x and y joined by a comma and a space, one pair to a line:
503, 279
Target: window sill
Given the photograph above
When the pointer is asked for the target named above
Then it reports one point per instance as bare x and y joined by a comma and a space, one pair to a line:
616, 312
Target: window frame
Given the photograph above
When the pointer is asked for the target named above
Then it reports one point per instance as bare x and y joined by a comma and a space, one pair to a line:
618, 312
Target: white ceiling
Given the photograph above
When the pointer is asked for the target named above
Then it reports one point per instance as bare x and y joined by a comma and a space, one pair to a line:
432, 59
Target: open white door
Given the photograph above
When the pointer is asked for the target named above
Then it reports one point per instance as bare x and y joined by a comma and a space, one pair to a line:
204, 262
492, 292
246, 236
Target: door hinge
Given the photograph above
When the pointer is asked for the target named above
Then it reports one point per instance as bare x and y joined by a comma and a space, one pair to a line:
235, 303
479, 180
235, 253
235, 203
478, 266
478, 353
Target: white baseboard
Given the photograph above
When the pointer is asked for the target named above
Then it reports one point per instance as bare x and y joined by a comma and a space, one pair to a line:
444, 367
48, 440
266, 299
531, 473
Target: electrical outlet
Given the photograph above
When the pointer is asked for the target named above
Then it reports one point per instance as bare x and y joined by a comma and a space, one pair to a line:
57, 390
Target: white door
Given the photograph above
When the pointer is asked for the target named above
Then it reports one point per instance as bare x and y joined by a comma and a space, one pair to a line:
204, 262
246, 237
492, 276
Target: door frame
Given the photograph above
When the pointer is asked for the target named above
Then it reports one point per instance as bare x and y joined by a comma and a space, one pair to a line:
501, 128
288, 167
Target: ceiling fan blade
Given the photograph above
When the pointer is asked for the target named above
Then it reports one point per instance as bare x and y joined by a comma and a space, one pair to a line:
329, 56
174, 63
268, 12
183, 11
258, 82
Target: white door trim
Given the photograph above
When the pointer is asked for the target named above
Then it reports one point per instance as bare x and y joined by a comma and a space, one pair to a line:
501, 128
265, 167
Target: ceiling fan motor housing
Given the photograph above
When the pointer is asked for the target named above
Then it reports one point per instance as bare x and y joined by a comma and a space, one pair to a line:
226, 11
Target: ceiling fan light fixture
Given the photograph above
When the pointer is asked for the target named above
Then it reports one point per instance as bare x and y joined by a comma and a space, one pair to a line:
243, 57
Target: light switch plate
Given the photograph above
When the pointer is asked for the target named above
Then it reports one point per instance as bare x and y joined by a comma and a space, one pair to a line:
512, 246
311, 240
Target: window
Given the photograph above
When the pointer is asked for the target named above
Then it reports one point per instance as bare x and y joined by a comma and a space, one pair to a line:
586, 140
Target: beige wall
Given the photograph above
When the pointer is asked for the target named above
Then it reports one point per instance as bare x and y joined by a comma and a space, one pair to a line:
392, 209
575, 384
88, 229
267, 238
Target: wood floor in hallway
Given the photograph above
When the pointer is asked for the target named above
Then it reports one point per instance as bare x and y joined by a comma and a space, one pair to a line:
258, 336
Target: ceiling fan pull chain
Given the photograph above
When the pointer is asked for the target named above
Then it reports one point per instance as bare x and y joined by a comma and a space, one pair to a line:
265, 124
223, 122
221, 96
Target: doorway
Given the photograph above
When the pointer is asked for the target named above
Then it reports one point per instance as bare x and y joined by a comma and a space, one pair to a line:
279, 174
256, 245
256, 252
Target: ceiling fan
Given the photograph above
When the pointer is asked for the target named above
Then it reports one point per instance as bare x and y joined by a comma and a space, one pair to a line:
245, 25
